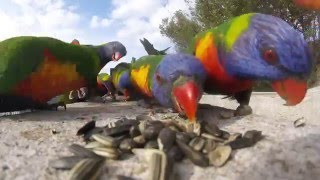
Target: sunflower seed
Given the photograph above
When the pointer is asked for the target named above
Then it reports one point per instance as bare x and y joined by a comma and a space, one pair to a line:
196, 157
87, 169
152, 145
209, 136
127, 145
212, 129
81, 151
175, 153
152, 131
86, 128
301, 122
144, 118
106, 140
88, 135
209, 146
65, 162
197, 143
116, 131
220, 155
134, 131
94, 144
106, 152
140, 140
182, 136
166, 139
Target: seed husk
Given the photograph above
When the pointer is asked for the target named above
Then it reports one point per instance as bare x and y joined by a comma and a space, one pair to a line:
220, 155
225, 135
254, 135
209, 146
152, 131
175, 153
196, 157
166, 139
157, 162
134, 131
81, 151
182, 136
94, 144
108, 141
212, 129
209, 136
121, 177
152, 145
65, 162
116, 131
140, 140
197, 143
87, 169
86, 128
107, 152
127, 145
88, 136
301, 122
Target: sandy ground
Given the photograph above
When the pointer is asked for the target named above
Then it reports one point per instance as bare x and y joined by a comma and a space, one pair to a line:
27, 144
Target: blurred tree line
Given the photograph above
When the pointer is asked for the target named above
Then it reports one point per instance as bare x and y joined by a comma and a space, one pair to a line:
204, 14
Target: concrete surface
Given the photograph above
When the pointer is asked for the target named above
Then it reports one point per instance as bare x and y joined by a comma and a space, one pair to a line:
27, 144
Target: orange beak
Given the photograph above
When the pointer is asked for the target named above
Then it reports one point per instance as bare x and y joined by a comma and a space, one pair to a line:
291, 90
309, 4
186, 97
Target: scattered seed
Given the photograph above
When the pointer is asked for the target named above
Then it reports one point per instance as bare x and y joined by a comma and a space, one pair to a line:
301, 122
127, 145
81, 151
197, 143
209, 136
134, 131
196, 157
65, 162
87, 169
152, 145
86, 128
140, 140
182, 136
106, 140
220, 155
166, 139
94, 144
106, 152
209, 146
175, 153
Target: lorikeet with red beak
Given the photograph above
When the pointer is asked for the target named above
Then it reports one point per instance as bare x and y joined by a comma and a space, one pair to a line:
33, 70
254, 47
308, 4
174, 80
120, 79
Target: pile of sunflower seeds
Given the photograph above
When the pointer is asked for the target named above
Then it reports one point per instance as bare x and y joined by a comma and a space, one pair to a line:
162, 142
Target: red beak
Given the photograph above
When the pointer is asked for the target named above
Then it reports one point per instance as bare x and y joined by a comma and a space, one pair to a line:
116, 56
187, 96
291, 90
126, 94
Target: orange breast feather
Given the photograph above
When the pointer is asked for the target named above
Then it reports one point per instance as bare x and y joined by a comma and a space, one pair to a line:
52, 78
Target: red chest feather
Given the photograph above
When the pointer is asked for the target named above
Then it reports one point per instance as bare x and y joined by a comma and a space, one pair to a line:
207, 52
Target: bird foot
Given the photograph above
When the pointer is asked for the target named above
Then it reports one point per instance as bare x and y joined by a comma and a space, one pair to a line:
243, 110
56, 106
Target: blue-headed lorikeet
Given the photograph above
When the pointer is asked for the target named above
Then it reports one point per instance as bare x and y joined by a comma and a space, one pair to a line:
33, 70
254, 47
174, 80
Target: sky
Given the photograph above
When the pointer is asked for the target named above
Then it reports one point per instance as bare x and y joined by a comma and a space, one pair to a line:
91, 21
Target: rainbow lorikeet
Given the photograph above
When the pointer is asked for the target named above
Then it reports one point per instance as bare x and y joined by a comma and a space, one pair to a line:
33, 70
174, 80
254, 47
308, 4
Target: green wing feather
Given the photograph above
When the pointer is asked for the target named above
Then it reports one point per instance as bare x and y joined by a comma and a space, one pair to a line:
20, 56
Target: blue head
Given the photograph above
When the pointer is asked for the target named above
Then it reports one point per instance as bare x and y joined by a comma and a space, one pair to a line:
177, 83
125, 85
271, 50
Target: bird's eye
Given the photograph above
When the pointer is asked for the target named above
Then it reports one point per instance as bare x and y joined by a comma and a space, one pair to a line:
158, 78
270, 56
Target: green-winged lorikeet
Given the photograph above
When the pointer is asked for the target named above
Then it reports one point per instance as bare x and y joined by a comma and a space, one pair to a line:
254, 47
33, 70
174, 80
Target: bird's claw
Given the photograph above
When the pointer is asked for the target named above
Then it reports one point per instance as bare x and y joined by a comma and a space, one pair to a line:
243, 110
